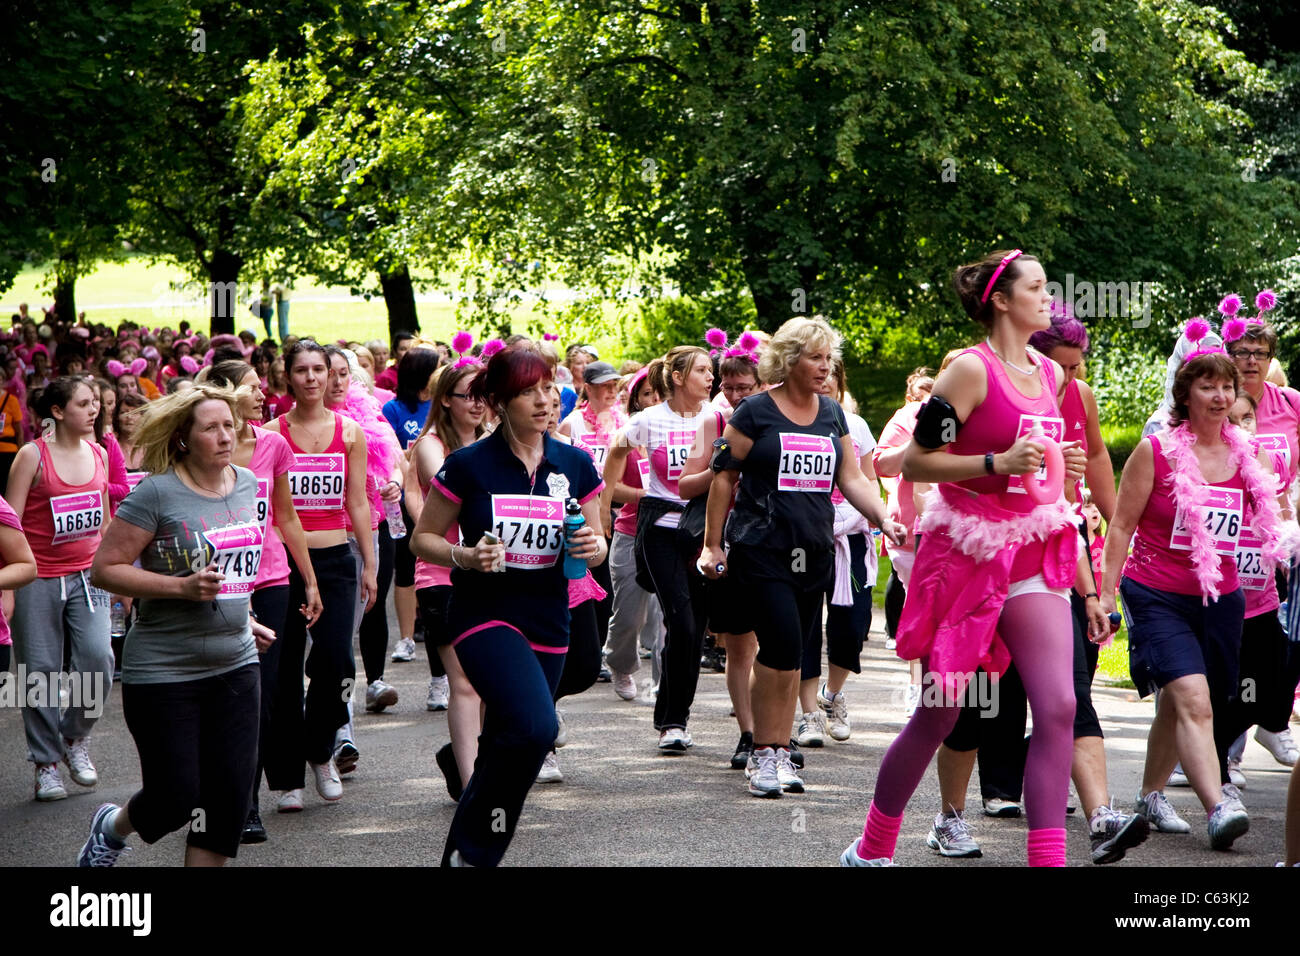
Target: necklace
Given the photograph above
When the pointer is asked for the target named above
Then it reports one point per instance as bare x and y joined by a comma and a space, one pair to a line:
305, 427
1009, 363
216, 491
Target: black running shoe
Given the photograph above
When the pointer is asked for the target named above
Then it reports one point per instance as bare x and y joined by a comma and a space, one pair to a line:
1118, 835
796, 755
254, 831
743, 749
450, 772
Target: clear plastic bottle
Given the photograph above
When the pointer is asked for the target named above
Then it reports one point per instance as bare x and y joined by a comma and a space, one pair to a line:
117, 620
393, 513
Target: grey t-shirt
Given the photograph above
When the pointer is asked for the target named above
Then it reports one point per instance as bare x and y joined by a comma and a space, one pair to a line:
175, 639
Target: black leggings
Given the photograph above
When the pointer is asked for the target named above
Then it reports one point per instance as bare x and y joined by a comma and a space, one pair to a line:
1261, 680
846, 625
432, 602
374, 623
895, 595
582, 663
680, 589
197, 741
271, 605
298, 735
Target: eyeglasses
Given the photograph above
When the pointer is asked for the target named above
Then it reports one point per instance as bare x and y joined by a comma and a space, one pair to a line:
473, 400
741, 389
1259, 355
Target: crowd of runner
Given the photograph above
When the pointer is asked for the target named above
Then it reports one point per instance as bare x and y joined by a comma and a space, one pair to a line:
215, 524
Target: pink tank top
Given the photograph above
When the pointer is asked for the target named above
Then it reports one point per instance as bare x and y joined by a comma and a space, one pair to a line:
62, 522
1162, 557
1076, 427
319, 481
634, 472
994, 425
1276, 423
429, 575
272, 458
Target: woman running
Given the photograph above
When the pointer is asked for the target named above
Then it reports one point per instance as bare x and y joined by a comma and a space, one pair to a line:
190, 686
507, 493
270, 459
455, 421
790, 447
667, 432
328, 485
59, 485
1002, 593
1189, 493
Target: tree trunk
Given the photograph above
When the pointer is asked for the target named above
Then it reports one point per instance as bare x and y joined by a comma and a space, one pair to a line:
399, 298
65, 285
223, 291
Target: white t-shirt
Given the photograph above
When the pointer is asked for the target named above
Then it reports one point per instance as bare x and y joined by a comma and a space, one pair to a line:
863, 443
668, 439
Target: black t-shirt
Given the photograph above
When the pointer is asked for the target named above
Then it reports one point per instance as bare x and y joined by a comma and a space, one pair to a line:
787, 478
496, 493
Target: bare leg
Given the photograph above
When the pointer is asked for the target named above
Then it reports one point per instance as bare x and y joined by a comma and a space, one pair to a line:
741, 651
404, 603
955, 768
1088, 770
837, 677
1162, 754
464, 714
194, 856
1193, 731
808, 695
774, 694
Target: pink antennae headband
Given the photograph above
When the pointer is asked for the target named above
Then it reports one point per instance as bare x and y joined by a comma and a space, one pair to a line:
998, 271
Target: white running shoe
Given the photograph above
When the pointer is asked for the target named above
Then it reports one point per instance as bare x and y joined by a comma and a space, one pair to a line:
761, 772
891, 644
380, 694
836, 709
405, 650
49, 783
77, 756
951, 836
550, 772
1160, 814
439, 693
791, 782
561, 735
1281, 745
812, 730
1178, 778
1235, 776
850, 858
290, 801
328, 784
1227, 822
1004, 809
625, 685
673, 741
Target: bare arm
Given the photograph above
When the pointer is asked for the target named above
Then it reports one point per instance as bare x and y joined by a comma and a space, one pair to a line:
429, 540
358, 508
1099, 472
19, 563
21, 476
696, 476
114, 569
615, 465
712, 557
295, 540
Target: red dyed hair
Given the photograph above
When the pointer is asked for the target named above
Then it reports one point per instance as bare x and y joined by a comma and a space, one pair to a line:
508, 373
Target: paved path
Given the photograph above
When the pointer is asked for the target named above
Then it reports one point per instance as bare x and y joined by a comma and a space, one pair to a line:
621, 803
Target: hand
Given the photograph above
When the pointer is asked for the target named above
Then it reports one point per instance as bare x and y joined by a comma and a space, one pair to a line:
1023, 458
263, 636
895, 531
583, 544
391, 491
1075, 461
1098, 623
311, 610
204, 585
1106, 604
712, 563
483, 556
369, 586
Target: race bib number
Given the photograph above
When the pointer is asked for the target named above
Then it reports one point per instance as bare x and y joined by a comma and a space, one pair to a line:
1221, 515
76, 516
263, 503
317, 483
807, 463
134, 478
237, 551
598, 450
1279, 445
837, 496
1053, 428
531, 528
1251, 572
643, 469
678, 449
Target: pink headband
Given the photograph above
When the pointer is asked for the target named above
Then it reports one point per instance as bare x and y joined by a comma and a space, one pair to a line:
998, 271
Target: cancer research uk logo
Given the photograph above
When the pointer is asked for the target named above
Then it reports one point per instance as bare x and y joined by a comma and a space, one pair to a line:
75, 909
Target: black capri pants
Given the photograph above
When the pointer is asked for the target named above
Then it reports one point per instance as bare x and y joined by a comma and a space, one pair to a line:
432, 602
784, 590
197, 742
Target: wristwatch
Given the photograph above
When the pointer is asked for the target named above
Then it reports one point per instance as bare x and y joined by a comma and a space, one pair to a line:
988, 463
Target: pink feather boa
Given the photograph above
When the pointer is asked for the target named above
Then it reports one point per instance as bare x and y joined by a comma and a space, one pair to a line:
382, 449
1190, 491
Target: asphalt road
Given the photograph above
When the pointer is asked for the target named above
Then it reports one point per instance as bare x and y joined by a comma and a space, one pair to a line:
621, 802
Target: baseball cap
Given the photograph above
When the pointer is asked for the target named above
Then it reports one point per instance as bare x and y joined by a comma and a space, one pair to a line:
598, 373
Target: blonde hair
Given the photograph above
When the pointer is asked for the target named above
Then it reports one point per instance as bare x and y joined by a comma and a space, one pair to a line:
791, 340
680, 359
166, 421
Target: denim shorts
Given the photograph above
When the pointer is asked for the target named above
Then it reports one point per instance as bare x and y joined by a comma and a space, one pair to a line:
1174, 635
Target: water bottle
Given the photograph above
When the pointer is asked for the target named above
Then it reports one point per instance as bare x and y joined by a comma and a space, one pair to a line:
396, 525
574, 568
117, 620
1284, 615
